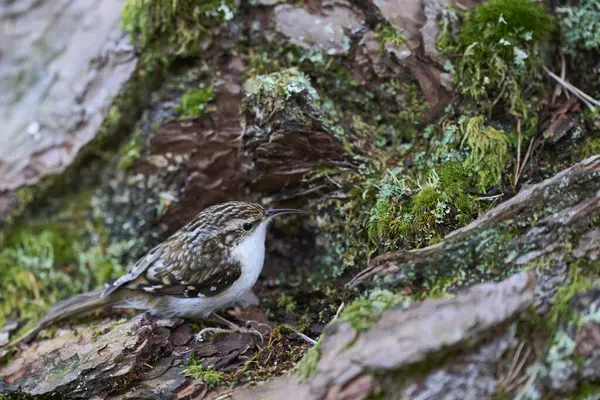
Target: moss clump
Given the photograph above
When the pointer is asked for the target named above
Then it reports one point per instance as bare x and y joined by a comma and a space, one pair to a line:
46, 263
131, 151
414, 105
209, 375
286, 302
363, 312
498, 52
178, 28
580, 26
487, 157
588, 147
407, 216
587, 390
194, 103
389, 34
270, 93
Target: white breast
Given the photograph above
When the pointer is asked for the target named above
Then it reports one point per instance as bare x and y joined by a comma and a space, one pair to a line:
250, 253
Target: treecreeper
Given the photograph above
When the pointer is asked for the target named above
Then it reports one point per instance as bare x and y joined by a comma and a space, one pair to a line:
206, 266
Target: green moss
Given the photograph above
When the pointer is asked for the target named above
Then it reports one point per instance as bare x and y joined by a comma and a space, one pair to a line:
286, 302
488, 151
364, 311
194, 102
131, 151
579, 273
414, 105
580, 26
500, 19
413, 215
44, 263
209, 375
389, 34
588, 147
587, 390
180, 28
498, 52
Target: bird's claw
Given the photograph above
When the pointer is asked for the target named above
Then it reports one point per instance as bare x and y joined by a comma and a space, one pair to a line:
199, 335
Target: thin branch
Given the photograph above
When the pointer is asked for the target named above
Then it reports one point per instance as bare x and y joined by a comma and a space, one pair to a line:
518, 166
339, 310
563, 72
587, 99
519, 366
527, 154
301, 335
534, 373
489, 198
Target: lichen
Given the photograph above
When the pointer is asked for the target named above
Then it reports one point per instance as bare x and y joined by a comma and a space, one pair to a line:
580, 26
559, 359
268, 94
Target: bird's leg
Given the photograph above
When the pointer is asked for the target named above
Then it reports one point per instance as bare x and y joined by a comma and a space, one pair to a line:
232, 328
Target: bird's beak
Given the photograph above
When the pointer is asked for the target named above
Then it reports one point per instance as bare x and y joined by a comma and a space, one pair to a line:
281, 211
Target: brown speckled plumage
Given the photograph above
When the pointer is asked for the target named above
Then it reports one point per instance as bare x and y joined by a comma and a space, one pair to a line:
195, 260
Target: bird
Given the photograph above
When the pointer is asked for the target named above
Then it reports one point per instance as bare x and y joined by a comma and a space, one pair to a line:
207, 265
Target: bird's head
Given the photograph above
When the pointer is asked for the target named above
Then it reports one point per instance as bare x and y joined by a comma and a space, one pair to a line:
233, 222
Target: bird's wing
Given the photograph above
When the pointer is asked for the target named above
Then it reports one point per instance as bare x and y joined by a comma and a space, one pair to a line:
197, 281
153, 258
169, 270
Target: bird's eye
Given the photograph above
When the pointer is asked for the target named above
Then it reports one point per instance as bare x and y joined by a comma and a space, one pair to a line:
247, 226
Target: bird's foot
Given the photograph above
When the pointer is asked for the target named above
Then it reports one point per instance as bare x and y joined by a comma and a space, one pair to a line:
233, 329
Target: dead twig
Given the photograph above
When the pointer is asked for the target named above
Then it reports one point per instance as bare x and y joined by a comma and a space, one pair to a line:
587, 99
527, 155
339, 310
225, 395
300, 334
489, 198
520, 365
534, 373
563, 72
303, 336
518, 166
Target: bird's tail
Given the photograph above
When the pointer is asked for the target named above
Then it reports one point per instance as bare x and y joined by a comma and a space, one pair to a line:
75, 306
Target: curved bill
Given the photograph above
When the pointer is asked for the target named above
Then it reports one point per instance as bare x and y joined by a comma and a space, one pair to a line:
282, 211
